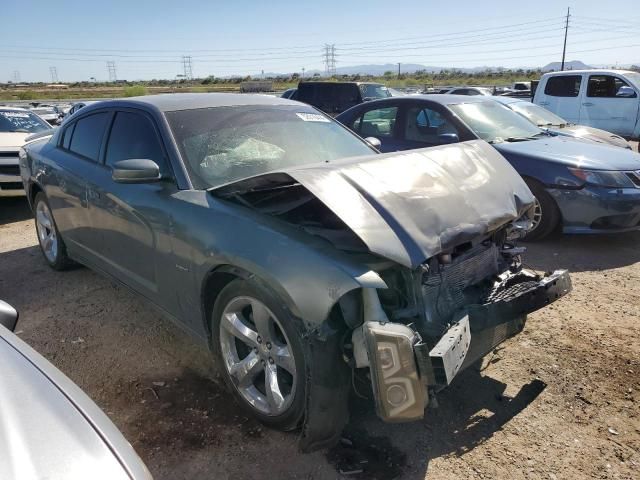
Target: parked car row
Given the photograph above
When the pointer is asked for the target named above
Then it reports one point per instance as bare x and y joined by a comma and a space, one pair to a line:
300, 254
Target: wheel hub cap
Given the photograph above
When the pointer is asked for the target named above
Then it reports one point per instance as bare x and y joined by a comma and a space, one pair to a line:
46, 232
257, 355
537, 214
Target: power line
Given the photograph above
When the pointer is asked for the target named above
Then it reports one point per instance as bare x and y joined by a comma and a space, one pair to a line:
111, 68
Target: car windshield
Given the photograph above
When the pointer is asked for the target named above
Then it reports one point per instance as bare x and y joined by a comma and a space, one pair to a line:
21, 121
224, 144
374, 90
537, 115
495, 123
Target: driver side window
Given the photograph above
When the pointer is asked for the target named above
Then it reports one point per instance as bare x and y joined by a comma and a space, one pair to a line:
133, 137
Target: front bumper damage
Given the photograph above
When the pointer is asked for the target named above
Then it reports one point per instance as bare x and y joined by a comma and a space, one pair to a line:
405, 369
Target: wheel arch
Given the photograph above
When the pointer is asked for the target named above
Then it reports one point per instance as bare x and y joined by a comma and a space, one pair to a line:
327, 301
34, 189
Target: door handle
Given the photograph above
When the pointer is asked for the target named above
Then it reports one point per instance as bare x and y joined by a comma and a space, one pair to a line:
588, 104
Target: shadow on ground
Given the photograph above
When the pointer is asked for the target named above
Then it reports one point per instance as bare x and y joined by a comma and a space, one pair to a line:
579, 253
14, 209
469, 413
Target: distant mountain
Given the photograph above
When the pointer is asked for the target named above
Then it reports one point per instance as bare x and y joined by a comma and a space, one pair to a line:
572, 65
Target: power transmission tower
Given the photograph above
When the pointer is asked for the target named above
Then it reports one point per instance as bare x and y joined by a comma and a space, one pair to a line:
111, 67
566, 30
187, 66
54, 74
330, 59
16, 76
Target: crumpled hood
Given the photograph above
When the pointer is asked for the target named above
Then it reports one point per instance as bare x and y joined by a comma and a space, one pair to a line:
410, 206
8, 140
573, 153
593, 134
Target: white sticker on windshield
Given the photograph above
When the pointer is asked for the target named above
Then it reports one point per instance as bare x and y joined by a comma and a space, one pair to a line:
312, 117
14, 114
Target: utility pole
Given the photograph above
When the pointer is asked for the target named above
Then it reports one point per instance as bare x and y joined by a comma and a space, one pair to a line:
111, 68
54, 74
566, 30
187, 67
398, 70
303, 73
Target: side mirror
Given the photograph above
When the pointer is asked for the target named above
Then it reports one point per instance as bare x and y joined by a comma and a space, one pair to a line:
446, 138
374, 142
8, 316
626, 92
135, 171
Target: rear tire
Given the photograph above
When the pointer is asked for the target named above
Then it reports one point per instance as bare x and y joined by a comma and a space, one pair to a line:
547, 215
262, 356
51, 244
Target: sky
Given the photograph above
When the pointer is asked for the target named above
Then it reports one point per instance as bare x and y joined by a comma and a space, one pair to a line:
148, 39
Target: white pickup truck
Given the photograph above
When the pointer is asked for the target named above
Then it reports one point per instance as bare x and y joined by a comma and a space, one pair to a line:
605, 99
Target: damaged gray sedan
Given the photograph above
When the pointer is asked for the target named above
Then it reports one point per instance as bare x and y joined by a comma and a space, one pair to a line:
295, 250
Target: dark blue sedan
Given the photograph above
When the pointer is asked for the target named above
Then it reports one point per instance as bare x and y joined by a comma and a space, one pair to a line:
581, 187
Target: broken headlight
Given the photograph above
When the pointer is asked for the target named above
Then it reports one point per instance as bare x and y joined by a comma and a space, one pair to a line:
400, 394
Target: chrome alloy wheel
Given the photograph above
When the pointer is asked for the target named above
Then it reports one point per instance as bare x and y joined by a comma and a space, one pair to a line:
257, 355
537, 214
46, 232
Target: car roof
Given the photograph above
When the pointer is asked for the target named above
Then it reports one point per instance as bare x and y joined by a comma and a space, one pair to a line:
169, 102
316, 82
443, 99
507, 100
10, 109
592, 71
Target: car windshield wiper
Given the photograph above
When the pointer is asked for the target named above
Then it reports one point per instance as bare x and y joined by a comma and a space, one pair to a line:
518, 139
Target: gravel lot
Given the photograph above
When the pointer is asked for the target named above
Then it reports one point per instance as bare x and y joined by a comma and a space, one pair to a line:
559, 401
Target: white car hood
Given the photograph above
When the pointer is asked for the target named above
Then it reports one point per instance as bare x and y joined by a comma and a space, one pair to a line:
10, 140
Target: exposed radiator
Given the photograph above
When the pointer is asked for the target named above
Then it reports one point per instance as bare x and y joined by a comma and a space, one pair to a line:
443, 292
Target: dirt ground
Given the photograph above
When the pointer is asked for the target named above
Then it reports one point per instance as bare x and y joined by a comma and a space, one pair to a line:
560, 401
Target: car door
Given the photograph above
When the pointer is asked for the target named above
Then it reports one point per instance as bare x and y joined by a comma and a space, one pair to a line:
381, 123
562, 96
424, 125
611, 104
74, 165
134, 218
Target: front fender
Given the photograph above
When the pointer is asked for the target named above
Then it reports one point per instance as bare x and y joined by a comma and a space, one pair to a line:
308, 283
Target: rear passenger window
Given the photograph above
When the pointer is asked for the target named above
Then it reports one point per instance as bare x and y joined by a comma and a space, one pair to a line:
87, 135
608, 86
377, 123
133, 136
66, 136
563, 86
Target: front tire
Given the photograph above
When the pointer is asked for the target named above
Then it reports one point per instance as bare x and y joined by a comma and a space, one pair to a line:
546, 216
51, 244
260, 348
